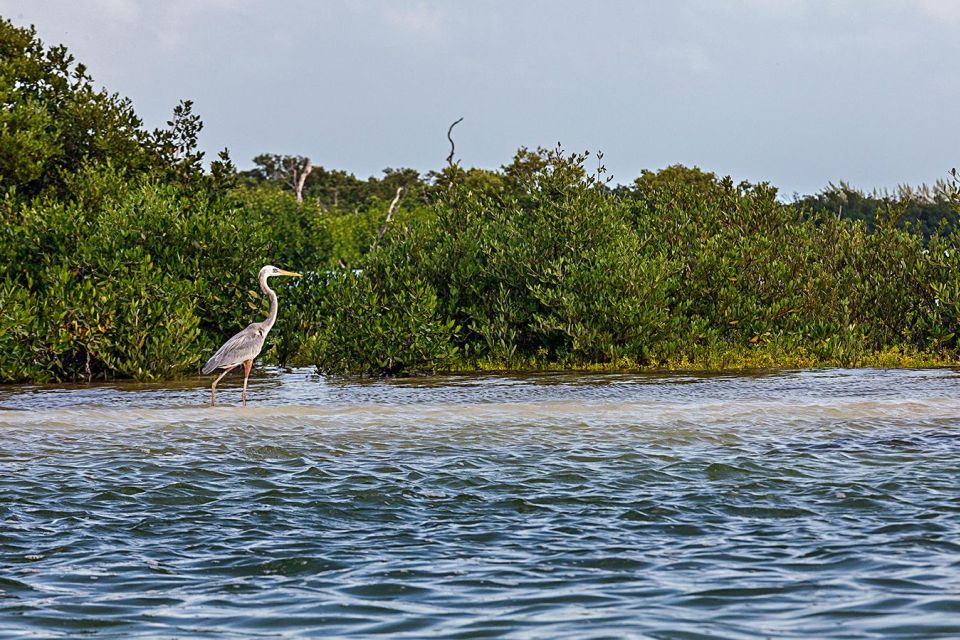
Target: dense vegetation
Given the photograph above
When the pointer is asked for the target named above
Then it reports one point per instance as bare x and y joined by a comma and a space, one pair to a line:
120, 256
928, 210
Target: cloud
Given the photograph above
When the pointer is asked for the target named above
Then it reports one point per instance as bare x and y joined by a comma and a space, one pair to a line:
421, 19
177, 22
59, 18
777, 7
116, 11
685, 56
417, 20
940, 10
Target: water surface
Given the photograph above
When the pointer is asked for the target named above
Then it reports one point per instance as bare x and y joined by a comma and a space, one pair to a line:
794, 504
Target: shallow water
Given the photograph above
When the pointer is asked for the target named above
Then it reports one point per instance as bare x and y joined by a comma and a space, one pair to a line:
795, 504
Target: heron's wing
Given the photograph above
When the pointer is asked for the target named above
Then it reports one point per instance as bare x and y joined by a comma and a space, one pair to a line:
246, 345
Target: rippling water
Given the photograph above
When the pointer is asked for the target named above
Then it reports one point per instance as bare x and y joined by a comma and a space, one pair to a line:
798, 504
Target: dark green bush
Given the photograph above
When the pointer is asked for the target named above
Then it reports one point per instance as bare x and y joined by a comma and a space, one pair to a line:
367, 326
131, 279
548, 270
19, 335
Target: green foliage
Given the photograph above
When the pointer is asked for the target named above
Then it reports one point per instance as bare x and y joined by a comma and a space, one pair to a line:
353, 235
759, 274
52, 119
928, 210
369, 325
118, 255
180, 162
19, 332
334, 190
119, 279
136, 323
546, 266
294, 234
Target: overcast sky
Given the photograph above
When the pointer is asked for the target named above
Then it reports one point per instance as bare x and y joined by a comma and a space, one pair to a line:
794, 92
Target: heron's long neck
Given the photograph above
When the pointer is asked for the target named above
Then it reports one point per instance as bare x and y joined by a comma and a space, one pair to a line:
272, 316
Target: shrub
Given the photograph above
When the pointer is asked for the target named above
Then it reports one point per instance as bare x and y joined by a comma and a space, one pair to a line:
548, 269
371, 326
131, 279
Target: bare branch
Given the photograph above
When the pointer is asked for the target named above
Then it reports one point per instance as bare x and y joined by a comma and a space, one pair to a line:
301, 179
450, 138
392, 210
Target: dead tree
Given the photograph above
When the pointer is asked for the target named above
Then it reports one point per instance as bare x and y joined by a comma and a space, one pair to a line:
290, 171
392, 210
450, 160
298, 176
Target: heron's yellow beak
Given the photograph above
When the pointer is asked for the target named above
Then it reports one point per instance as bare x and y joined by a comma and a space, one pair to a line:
289, 273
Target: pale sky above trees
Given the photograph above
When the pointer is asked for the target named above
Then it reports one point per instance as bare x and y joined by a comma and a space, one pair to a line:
794, 92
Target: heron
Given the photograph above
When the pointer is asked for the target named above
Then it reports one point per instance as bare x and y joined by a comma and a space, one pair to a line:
246, 345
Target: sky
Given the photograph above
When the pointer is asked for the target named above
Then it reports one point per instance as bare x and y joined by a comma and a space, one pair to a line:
798, 93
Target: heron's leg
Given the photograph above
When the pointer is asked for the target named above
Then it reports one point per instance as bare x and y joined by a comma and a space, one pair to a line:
247, 365
213, 387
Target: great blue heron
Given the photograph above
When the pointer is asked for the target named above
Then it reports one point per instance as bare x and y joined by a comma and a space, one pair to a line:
246, 345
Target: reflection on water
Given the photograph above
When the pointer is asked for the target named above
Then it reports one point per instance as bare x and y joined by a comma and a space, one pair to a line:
796, 504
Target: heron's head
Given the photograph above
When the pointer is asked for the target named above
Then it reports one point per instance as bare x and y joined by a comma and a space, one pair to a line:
270, 271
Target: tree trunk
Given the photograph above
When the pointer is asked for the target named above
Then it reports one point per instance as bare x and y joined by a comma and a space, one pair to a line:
301, 179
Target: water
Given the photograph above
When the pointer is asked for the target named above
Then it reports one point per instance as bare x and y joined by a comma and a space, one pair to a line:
798, 504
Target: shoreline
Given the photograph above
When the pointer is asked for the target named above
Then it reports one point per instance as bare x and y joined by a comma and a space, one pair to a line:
722, 364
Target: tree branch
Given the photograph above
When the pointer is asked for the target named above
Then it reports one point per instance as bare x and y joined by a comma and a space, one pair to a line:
392, 210
450, 138
301, 179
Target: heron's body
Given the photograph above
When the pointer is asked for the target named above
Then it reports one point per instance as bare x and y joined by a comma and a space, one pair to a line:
246, 345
